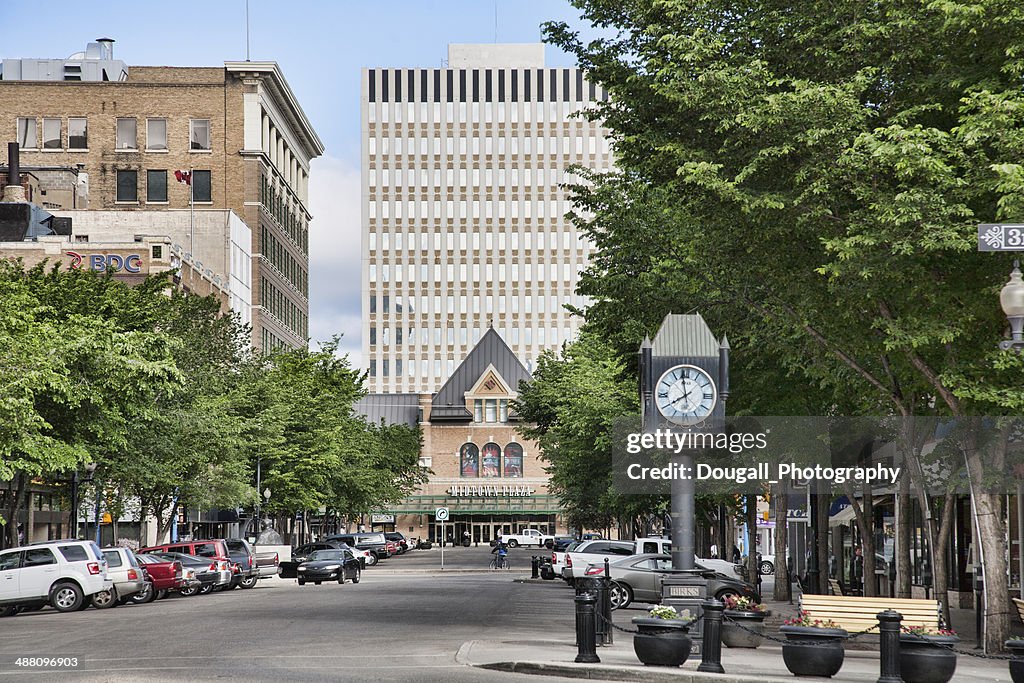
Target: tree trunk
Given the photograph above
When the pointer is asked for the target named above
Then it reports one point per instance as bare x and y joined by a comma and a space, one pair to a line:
753, 566
902, 555
783, 587
940, 567
14, 503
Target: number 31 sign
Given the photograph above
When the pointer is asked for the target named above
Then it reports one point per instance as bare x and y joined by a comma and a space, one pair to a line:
1000, 237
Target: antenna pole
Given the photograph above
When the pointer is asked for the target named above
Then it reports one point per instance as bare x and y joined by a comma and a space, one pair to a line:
247, 30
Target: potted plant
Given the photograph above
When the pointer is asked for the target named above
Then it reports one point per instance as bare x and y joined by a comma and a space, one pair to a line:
743, 625
813, 647
926, 654
662, 639
1016, 648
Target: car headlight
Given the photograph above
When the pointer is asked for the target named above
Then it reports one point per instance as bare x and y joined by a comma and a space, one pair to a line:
332, 567
302, 569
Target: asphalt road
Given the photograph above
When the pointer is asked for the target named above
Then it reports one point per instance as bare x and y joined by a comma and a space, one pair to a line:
390, 627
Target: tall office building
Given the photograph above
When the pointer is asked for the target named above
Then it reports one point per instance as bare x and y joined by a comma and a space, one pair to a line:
462, 213
98, 134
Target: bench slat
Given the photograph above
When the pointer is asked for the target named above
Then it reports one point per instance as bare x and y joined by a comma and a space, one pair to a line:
855, 613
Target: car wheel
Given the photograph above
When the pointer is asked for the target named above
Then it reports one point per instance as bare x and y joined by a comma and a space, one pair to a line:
67, 597
372, 560
620, 595
161, 594
146, 595
207, 589
726, 593
512, 543
341, 577
189, 592
9, 610
249, 582
357, 577
105, 599
767, 567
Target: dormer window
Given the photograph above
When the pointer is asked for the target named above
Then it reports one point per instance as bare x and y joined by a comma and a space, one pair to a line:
490, 410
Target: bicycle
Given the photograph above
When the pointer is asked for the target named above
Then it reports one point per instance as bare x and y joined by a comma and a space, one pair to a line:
500, 562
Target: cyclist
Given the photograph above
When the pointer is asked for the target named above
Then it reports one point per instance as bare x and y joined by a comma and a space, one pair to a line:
502, 550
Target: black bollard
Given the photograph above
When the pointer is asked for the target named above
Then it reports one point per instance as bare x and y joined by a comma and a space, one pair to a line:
889, 643
601, 609
606, 604
711, 652
534, 567
586, 636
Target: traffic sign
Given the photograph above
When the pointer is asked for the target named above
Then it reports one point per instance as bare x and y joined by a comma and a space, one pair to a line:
1001, 237
441, 514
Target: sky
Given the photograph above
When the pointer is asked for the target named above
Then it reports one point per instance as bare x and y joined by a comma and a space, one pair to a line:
321, 47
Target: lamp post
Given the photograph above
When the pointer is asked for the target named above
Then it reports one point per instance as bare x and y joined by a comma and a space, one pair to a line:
266, 500
1011, 298
75, 481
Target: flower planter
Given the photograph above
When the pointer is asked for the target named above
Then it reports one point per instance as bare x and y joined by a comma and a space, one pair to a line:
737, 626
927, 659
661, 642
1016, 648
812, 651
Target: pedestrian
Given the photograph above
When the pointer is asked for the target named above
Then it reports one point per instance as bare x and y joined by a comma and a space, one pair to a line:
466, 538
857, 571
736, 557
714, 551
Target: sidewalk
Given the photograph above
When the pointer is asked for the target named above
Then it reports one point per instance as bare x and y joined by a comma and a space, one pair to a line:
619, 663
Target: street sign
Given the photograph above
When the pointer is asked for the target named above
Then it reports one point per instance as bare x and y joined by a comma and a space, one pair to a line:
1001, 237
441, 514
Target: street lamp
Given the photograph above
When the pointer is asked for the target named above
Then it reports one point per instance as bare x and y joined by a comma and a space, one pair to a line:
266, 496
90, 469
1011, 298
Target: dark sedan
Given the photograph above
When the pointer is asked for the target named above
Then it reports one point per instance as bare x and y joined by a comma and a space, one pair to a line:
288, 569
638, 577
329, 565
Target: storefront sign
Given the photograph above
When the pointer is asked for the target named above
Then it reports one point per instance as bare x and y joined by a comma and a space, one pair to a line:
382, 519
102, 262
491, 490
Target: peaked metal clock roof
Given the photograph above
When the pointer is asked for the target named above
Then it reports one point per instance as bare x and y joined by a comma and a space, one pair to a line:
685, 335
450, 402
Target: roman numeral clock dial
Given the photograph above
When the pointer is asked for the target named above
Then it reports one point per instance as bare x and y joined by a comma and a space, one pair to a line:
685, 394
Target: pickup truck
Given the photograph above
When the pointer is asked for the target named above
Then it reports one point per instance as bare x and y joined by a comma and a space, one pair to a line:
527, 537
268, 563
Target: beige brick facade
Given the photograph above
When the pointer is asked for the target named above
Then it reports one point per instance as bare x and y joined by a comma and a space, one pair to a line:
260, 145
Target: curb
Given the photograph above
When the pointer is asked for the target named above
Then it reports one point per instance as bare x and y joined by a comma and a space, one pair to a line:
599, 672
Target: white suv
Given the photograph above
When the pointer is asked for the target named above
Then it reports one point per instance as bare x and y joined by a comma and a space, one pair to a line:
63, 574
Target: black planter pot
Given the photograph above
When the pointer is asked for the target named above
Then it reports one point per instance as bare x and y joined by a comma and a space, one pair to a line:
737, 626
810, 651
661, 642
927, 659
1016, 648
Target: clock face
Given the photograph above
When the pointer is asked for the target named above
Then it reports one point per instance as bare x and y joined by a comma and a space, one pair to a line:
685, 394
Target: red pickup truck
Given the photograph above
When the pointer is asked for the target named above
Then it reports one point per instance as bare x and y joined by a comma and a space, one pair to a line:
164, 576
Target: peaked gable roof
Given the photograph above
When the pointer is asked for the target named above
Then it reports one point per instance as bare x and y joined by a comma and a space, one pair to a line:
450, 402
685, 335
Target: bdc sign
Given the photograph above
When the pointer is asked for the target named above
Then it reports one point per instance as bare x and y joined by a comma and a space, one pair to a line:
132, 263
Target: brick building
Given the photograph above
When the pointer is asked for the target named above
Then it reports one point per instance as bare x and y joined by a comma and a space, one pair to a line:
481, 468
98, 134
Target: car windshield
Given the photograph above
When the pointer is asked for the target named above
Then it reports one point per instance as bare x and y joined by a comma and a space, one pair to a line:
321, 555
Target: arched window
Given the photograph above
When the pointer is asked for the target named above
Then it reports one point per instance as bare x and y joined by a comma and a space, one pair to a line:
513, 460
491, 460
469, 460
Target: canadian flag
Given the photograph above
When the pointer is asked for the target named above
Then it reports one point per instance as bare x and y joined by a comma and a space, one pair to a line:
184, 177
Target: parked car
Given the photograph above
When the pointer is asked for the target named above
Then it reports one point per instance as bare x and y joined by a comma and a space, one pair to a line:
562, 542
244, 556
374, 541
527, 537
268, 563
213, 548
64, 574
577, 557
399, 539
639, 577
289, 568
212, 573
126, 574
329, 565
164, 576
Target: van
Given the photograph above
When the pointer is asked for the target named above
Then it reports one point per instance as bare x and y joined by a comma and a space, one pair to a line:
662, 546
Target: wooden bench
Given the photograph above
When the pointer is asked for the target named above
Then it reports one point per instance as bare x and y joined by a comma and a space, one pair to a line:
834, 587
855, 613
1020, 607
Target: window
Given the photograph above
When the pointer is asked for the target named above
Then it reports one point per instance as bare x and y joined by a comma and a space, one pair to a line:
73, 553
126, 134
28, 137
11, 560
158, 252
51, 134
127, 186
490, 460
199, 134
35, 557
201, 191
78, 137
156, 134
156, 186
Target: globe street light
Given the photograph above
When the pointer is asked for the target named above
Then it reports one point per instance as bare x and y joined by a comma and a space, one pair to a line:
1011, 298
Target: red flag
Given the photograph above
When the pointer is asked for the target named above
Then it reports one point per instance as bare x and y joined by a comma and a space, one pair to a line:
184, 177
